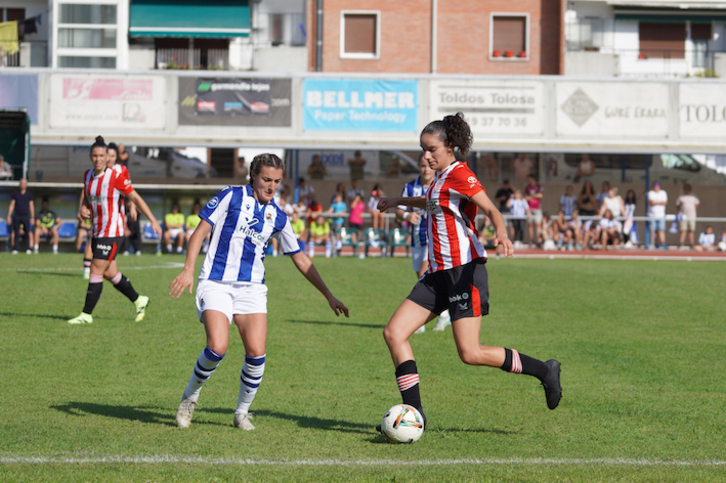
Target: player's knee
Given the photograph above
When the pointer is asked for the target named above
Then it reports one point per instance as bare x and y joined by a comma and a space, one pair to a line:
469, 356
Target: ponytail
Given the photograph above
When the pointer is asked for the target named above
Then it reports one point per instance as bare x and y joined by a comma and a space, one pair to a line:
453, 131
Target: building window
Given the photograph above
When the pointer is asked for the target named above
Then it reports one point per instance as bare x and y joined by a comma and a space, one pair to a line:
87, 38
662, 40
360, 35
10, 14
88, 14
509, 37
87, 62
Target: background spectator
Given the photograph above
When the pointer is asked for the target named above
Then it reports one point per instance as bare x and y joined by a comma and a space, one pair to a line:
298, 226
490, 168
657, 201
174, 228
338, 208
357, 164
339, 190
46, 224
609, 231
355, 220
191, 224
304, 191
687, 204
568, 201
519, 211
502, 197
240, 170
603, 193
585, 168
533, 193
6, 171
614, 203
722, 242
521, 167
630, 229
706, 241
21, 216
319, 233
317, 170
377, 216
354, 190
84, 229
587, 201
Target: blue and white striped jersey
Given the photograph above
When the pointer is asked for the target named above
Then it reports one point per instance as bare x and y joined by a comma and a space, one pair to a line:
418, 232
241, 229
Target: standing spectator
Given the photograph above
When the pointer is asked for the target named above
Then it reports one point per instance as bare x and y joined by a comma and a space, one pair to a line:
355, 220
707, 241
46, 224
240, 170
174, 228
354, 190
551, 168
502, 197
614, 203
338, 208
630, 229
377, 216
603, 193
519, 211
339, 190
357, 164
568, 201
533, 193
304, 191
21, 212
657, 201
585, 168
587, 201
490, 168
687, 204
6, 171
123, 155
317, 170
522, 168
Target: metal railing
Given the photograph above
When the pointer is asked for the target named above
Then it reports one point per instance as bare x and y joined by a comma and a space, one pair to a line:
192, 59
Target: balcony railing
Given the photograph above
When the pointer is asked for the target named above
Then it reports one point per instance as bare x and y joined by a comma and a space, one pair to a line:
697, 61
30, 54
193, 59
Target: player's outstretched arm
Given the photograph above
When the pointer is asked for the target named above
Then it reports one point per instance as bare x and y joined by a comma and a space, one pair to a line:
306, 267
185, 280
412, 201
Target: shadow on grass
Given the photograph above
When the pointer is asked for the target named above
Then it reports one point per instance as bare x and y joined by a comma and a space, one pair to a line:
143, 414
40, 272
41, 316
308, 422
345, 324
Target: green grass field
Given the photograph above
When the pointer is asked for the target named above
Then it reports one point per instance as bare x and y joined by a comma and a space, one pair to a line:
641, 345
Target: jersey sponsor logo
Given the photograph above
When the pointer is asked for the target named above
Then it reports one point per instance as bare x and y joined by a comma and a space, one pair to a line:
246, 227
458, 298
213, 203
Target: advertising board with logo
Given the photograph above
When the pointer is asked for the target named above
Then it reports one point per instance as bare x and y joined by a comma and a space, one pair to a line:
93, 101
234, 101
612, 109
20, 92
703, 111
360, 105
492, 108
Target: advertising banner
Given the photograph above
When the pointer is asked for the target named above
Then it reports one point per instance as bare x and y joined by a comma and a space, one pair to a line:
20, 92
492, 108
360, 105
612, 109
93, 101
205, 101
703, 111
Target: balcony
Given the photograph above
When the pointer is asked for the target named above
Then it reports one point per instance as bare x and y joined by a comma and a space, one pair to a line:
30, 54
192, 59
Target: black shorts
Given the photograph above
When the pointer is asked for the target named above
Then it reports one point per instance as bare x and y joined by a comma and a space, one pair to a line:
464, 290
106, 248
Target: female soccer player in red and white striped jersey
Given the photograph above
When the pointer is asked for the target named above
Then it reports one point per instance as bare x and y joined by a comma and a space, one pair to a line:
103, 188
457, 275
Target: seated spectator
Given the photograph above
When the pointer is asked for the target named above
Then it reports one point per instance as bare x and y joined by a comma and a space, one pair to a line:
547, 233
614, 203
298, 226
6, 171
568, 201
174, 228
564, 235
707, 240
610, 231
575, 226
722, 242
487, 235
339, 190
591, 234
191, 224
46, 225
84, 230
378, 218
519, 211
317, 170
319, 233
587, 201
314, 209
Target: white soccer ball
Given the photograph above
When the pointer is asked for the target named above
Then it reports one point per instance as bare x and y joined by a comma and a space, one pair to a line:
402, 424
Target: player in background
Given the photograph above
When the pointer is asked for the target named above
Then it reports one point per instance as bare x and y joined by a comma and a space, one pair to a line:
103, 188
112, 157
231, 285
417, 219
457, 275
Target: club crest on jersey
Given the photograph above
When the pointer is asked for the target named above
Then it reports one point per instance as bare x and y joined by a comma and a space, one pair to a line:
213, 203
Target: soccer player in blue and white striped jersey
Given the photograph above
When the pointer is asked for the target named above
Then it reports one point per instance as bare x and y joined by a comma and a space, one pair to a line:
419, 238
232, 280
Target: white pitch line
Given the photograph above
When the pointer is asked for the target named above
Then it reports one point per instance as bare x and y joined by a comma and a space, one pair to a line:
166, 459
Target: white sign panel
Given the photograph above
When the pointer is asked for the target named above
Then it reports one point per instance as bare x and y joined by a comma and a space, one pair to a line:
703, 111
117, 102
611, 109
492, 108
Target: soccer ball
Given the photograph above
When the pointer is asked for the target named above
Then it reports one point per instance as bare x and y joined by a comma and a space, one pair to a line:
402, 424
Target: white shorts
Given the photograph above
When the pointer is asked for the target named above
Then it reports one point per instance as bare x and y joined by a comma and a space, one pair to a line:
175, 232
419, 256
231, 298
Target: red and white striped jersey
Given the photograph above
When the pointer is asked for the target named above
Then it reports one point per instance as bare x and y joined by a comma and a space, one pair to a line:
103, 193
453, 238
